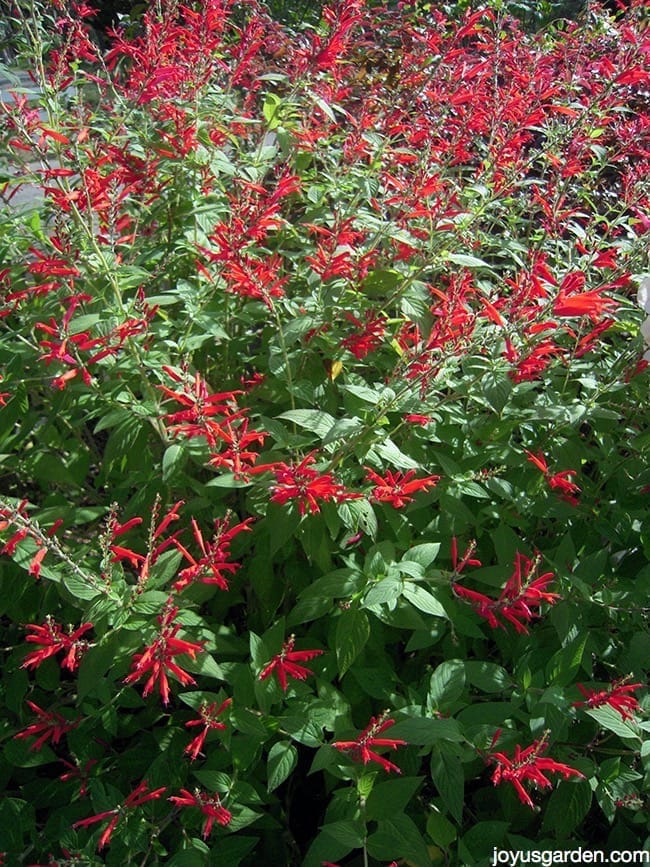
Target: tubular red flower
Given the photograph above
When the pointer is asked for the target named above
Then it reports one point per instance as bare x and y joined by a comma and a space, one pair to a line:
158, 657
51, 726
528, 765
360, 749
559, 481
208, 719
397, 487
616, 695
213, 566
284, 664
209, 805
520, 600
53, 640
302, 483
140, 795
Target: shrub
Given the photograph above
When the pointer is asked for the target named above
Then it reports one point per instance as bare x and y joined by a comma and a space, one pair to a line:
323, 432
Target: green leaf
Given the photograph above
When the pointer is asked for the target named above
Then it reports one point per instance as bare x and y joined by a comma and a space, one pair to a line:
446, 685
567, 807
496, 388
383, 591
440, 829
96, 662
362, 517
466, 260
344, 427
390, 798
370, 395
79, 588
338, 584
352, 633
381, 283
314, 420
399, 837
172, 461
423, 554
611, 720
426, 731
487, 676
449, 779
217, 781
391, 453
471, 489
564, 665
423, 599
282, 759
204, 665
19, 754
348, 833
270, 110
326, 847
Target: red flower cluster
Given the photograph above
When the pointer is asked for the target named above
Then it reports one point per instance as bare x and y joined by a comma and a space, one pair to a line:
284, 664
528, 765
54, 640
369, 334
51, 726
212, 566
81, 349
572, 301
158, 657
215, 417
18, 517
466, 560
396, 488
302, 483
199, 406
360, 749
208, 714
209, 805
157, 542
520, 600
558, 481
617, 696
140, 795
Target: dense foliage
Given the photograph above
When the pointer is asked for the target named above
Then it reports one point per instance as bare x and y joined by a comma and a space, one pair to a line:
323, 433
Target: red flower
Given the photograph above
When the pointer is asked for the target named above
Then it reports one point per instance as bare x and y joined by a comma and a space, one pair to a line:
532, 365
558, 481
140, 795
52, 638
417, 418
210, 568
466, 559
359, 749
237, 439
207, 719
209, 805
616, 696
199, 406
50, 726
76, 772
285, 663
520, 599
590, 303
527, 765
158, 657
369, 336
396, 487
306, 485
141, 562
